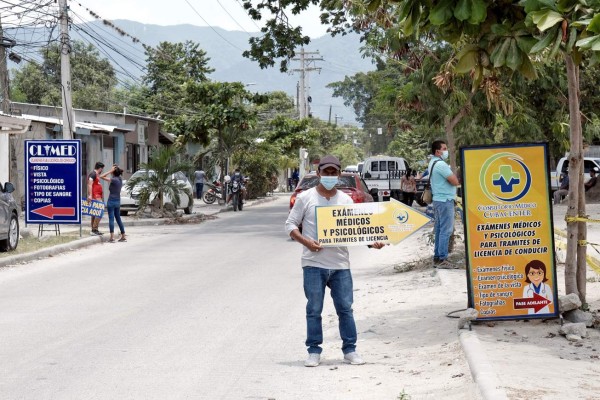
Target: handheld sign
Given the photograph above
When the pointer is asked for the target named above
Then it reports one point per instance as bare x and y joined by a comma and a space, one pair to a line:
92, 208
366, 223
509, 237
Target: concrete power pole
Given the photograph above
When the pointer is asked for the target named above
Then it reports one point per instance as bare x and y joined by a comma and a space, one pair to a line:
4, 74
307, 62
65, 72
4, 91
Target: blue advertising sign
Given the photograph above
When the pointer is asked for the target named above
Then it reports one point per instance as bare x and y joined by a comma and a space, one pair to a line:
52, 185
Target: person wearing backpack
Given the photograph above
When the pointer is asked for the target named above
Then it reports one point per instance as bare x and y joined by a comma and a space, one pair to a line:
443, 187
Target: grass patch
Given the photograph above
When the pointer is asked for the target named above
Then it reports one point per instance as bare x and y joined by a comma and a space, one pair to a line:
33, 243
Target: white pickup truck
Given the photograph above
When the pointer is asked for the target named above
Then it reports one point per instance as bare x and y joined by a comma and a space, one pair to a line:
382, 176
563, 164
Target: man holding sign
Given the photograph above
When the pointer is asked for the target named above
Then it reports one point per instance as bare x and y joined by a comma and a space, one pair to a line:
324, 266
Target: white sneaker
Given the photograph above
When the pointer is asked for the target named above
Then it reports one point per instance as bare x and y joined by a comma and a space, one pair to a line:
353, 358
313, 360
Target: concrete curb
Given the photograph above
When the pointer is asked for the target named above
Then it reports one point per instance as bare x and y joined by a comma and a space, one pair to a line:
50, 251
482, 370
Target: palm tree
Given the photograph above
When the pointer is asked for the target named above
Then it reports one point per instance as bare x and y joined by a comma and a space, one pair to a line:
158, 179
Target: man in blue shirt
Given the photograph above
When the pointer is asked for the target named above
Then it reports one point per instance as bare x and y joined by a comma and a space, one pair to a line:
443, 187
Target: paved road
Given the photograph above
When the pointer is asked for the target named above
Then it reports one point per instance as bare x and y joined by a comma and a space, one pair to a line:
214, 311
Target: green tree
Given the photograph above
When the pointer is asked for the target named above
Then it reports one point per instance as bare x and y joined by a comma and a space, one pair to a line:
93, 78
30, 85
490, 38
158, 179
133, 97
223, 117
346, 153
259, 161
171, 67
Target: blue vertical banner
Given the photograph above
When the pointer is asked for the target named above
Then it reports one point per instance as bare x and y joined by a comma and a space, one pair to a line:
52, 183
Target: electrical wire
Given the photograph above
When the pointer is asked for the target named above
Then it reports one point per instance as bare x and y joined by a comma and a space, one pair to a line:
251, 19
234, 20
210, 26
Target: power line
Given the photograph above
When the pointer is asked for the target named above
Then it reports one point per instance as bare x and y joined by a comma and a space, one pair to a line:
210, 26
109, 23
251, 19
100, 27
234, 20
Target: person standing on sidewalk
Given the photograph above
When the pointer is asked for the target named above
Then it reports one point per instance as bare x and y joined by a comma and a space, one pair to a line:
593, 179
443, 188
199, 178
408, 185
113, 205
94, 190
324, 266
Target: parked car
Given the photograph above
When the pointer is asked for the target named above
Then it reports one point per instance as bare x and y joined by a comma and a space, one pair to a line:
9, 218
562, 168
130, 200
351, 168
349, 182
360, 166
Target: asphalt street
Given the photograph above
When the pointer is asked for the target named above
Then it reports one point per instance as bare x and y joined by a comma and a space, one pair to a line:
216, 311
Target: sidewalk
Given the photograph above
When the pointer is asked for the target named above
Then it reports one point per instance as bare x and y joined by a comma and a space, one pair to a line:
530, 359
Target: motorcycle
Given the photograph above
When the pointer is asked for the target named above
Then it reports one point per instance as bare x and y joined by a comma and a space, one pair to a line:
237, 197
213, 193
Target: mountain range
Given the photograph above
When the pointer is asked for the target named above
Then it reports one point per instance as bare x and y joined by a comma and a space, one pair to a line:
340, 57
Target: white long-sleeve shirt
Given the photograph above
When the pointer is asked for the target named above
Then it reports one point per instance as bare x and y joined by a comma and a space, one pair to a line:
304, 213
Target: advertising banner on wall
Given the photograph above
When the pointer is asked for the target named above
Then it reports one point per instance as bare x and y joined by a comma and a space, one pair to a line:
509, 231
53, 188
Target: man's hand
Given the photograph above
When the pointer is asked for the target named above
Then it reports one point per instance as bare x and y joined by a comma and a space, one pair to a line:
313, 245
310, 244
378, 245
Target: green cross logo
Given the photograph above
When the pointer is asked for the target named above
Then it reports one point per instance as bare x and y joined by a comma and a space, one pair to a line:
506, 178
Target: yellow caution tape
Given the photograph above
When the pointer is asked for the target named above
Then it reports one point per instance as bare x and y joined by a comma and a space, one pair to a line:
581, 219
593, 262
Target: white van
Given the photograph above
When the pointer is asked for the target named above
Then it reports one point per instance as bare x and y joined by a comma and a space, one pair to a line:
382, 175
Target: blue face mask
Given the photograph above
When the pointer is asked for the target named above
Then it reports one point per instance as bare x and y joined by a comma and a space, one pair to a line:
329, 182
445, 154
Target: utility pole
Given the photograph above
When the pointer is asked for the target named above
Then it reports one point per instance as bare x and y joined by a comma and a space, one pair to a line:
4, 74
336, 118
298, 98
307, 64
4, 91
65, 72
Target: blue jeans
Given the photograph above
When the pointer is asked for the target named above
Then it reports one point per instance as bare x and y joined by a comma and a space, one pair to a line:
199, 188
443, 212
339, 282
114, 211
